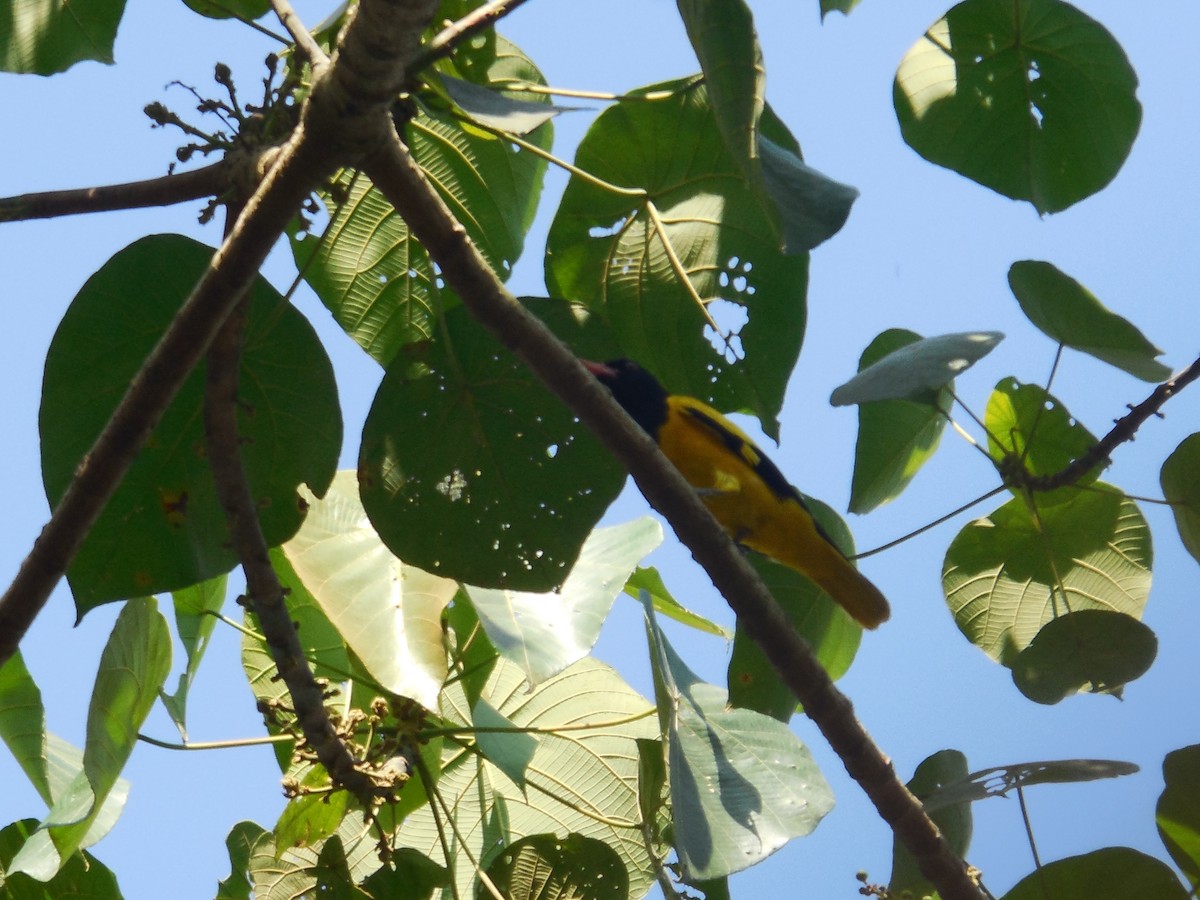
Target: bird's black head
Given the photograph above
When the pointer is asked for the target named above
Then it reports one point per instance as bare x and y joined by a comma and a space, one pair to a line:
635, 389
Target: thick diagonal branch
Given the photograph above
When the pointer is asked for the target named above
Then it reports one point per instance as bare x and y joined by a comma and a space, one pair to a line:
396, 174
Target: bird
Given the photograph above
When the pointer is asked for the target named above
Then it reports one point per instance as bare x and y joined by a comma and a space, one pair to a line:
742, 488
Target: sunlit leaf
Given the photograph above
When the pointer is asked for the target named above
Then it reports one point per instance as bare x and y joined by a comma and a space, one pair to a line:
389, 614
164, 528
46, 36
917, 370
895, 437
1001, 575
581, 781
1033, 99
82, 876
649, 580
226, 9
133, 666
511, 750
471, 469
194, 620
23, 723
544, 633
1180, 480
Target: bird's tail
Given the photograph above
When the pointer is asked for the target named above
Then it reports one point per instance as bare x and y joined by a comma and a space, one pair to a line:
854, 592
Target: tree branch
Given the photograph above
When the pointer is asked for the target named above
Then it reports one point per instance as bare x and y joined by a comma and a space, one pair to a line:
210, 181
300, 35
444, 42
397, 175
262, 584
1124, 430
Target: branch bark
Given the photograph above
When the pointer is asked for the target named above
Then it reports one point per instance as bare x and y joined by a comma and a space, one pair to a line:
210, 181
397, 175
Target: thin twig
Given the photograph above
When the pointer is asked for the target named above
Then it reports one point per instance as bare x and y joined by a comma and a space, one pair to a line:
444, 42
210, 181
397, 175
302, 37
1124, 430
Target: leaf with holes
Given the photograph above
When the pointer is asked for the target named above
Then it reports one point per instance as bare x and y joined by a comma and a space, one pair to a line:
583, 780
1034, 100
681, 260
1094, 650
1002, 574
367, 268
895, 437
1025, 423
164, 529
472, 470
1069, 313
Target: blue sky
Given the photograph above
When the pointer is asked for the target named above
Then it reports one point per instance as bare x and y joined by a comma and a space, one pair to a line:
923, 249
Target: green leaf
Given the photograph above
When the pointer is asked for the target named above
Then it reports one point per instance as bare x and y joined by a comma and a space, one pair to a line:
1180, 480
1032, 99
509, 751
812, 206
544, 633
547, 867
895, 437
310, 818
722, 34
42, 37
82, 876
389, 614
605, 250
997, 781
133, 666
830, 631
367, 268
842, 6
1067, 312
240, 842
471, 469
1003, 574
335, 881
1026, 423
498, 110
954, 822
194, 620
654, 792
916, 370
1178, 814
1114, 873
742, 785
164, 529
650, 581
227, 9
412, 876
1093, 649
583, 780
23, 723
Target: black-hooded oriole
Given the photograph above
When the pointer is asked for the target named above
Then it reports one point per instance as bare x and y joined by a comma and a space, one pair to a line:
742, 488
